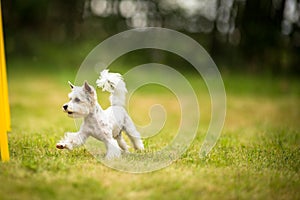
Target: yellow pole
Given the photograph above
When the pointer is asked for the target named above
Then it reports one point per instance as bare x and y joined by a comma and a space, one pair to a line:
4, 103
3, 64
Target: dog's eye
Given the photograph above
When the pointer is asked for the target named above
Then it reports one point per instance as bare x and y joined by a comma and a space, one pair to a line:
77, 100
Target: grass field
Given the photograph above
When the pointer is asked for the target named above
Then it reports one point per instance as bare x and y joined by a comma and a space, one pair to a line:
256, 157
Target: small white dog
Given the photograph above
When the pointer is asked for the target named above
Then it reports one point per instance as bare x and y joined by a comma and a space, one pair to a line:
105, 125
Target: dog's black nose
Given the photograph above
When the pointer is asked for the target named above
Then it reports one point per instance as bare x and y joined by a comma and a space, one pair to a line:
65, 107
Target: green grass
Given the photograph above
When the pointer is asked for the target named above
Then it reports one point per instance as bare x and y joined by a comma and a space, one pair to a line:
256, 157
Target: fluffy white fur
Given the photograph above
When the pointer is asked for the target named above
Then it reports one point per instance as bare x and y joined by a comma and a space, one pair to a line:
105, 125
113, 83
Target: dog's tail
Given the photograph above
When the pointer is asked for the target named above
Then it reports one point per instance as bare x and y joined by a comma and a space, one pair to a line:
113, 83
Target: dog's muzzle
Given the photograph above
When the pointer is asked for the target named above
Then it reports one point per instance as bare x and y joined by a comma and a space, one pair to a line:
65, 108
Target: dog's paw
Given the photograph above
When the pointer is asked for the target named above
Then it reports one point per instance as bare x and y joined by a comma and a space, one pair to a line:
139, 146
113, 153
61, 145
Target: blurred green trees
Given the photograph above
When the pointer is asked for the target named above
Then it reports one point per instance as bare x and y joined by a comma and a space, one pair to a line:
243, 35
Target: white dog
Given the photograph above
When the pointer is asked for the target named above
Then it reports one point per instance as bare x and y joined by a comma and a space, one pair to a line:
105, 125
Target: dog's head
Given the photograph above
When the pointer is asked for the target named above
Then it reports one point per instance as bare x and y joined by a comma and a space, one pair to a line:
82, 100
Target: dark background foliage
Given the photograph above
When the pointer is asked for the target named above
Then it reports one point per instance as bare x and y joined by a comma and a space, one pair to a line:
253, 36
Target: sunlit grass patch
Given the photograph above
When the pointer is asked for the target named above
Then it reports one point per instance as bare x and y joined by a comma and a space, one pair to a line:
256, 157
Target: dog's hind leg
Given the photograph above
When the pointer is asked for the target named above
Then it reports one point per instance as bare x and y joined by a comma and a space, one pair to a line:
121, 142
133, 134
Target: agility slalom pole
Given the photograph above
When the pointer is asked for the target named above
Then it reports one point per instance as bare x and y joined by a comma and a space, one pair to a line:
3, 132
4, 103
3, 68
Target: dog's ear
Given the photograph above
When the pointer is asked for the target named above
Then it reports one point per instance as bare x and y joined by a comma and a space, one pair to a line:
87, 87
71, 85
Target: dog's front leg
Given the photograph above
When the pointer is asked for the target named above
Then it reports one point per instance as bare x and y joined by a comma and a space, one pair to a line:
112, 149
72, 140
